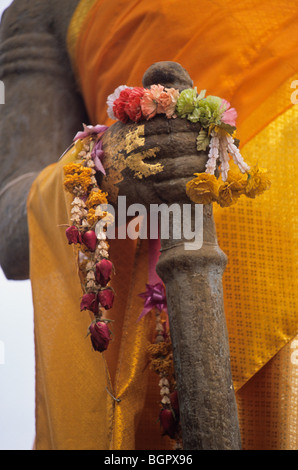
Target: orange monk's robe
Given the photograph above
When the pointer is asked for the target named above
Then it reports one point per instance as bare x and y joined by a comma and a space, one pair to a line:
245, 52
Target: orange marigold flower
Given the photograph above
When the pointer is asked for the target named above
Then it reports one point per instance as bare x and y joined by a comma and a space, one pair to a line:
77, 176
72, 168
258, 182
91, 217
231, 190
203, 189
226, 196
96, 197
160, 357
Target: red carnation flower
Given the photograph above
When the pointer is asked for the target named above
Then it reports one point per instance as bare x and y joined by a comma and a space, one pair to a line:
100, 336
106, 298
103, 272
73, 235
133, 106
120, 105
89, 302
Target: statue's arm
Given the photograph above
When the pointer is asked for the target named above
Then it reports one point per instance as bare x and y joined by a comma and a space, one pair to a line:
42, 112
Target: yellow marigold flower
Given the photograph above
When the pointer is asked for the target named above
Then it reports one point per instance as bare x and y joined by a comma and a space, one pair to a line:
91, 217
258, 182
160, 358
72, 168
226, 196
96, 197
237, 180
203, 189
77, 176
231, 190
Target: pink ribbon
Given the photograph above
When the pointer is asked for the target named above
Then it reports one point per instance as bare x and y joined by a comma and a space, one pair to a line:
155, 297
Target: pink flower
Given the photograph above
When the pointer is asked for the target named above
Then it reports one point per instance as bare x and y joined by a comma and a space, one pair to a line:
103, 271
229, 115
100, 336
167, 102
97, 155
106, 298
89, 302
73, 235
90, 240
150, 102
89, 130
133, 106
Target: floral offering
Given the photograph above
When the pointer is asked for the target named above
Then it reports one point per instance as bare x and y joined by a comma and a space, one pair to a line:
219, 183
218, 127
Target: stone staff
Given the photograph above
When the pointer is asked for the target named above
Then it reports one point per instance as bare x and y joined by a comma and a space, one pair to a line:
193, 278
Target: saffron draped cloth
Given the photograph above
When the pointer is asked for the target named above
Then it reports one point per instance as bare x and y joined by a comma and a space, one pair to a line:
247, 53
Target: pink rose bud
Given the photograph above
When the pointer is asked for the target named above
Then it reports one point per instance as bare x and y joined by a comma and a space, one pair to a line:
100, 336
103, 271
89, 239
90, 302
106, 298
168, 422
73, 235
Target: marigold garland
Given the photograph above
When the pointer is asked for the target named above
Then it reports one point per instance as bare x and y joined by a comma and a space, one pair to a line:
206, 189
88, 208
161, 362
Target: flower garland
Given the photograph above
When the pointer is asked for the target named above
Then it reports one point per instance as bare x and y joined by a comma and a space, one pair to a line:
88, 208
161, 360
217, 120
218, 127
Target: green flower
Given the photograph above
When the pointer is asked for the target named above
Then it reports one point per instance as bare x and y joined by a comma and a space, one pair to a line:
207, 111
197, 108
186, 102
210, 111
195, 116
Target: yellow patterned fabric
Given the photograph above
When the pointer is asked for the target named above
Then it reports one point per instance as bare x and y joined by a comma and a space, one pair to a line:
74, 384
259, 237
268, 404
247, 53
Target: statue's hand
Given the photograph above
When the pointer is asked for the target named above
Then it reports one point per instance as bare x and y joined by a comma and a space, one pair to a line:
151, 161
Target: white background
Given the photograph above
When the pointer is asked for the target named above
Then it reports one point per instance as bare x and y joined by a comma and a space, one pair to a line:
17, 374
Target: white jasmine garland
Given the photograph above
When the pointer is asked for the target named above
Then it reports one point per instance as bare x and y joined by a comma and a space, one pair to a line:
213, 154
237, 157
